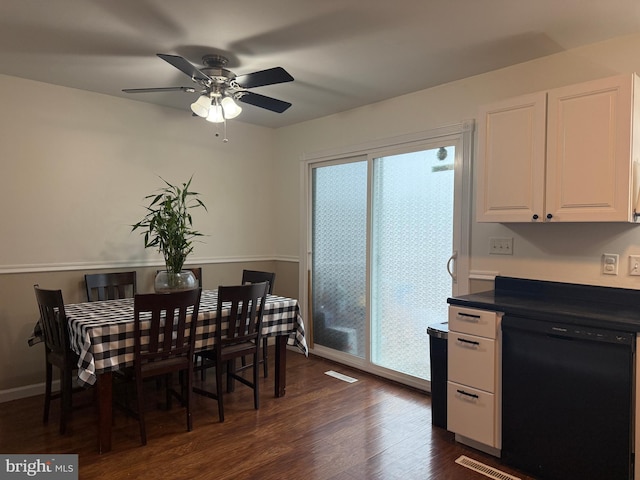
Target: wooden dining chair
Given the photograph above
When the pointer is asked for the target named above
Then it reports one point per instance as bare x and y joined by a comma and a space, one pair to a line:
110, 286
58, 353
164, 345
240, 337
256, 276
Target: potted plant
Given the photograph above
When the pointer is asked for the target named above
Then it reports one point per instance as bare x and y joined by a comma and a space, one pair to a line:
168, 226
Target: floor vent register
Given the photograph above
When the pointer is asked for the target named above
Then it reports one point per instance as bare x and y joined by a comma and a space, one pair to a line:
341, 376
485, 470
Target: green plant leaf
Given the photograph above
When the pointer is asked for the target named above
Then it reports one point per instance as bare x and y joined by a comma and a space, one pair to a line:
168, 223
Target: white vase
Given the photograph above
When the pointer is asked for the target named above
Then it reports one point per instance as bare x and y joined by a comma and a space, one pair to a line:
166, 282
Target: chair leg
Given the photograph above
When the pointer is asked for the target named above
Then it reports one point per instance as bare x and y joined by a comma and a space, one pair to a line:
66, 390
203, 371
168, 381
231, 370
47, 392
187, 396
265, 344
140, 398
219, 392
256, 383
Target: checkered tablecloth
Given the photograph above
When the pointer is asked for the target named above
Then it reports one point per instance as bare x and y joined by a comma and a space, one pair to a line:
102, 332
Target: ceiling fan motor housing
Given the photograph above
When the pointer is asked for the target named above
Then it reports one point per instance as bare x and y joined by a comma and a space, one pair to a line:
214, 69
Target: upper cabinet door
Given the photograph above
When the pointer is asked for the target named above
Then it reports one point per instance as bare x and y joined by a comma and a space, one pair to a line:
585, 137
511, 160
589, 151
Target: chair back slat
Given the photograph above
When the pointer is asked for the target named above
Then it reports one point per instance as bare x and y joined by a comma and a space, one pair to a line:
245, 320
171, 320
110, 286
53, 320
256, 276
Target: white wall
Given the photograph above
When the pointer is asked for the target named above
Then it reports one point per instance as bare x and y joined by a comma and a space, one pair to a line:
569, 252
76, 167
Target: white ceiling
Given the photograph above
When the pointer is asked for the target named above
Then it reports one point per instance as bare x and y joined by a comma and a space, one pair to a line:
342, 53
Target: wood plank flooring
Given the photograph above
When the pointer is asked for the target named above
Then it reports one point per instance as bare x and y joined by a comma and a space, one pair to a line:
323, 429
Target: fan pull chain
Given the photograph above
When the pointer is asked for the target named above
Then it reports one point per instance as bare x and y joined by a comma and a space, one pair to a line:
224, 122
224, 129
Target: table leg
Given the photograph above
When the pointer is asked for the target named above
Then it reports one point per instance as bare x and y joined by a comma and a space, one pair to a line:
105, 411
281, 365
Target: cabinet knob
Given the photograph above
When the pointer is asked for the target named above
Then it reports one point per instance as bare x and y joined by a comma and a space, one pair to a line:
549, 216
535, 216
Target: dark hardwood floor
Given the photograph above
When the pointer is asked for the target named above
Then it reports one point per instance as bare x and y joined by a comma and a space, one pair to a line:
323, 428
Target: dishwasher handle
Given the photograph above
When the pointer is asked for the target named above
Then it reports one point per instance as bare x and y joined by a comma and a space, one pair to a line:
566, 331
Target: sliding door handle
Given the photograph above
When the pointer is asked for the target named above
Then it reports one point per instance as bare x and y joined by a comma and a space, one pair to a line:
452, 260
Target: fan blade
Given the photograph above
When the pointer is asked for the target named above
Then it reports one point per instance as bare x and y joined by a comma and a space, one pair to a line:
264, 77
161, 89
185, 67
261, 101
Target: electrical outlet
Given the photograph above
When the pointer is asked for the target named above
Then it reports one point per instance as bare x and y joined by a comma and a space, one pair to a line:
634, 264
501, 246
610, 263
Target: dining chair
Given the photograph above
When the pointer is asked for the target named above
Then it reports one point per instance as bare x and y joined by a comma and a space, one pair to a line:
164, 339
58, 353
110, 286
256, 276
240, 337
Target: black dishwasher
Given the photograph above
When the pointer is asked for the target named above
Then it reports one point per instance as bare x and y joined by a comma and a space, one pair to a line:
567, 399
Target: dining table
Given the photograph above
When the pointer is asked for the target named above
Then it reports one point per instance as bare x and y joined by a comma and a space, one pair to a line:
102, 334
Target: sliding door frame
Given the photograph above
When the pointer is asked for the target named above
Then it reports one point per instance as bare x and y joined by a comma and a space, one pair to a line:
460, 135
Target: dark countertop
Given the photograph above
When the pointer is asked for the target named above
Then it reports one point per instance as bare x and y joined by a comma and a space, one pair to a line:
588, 305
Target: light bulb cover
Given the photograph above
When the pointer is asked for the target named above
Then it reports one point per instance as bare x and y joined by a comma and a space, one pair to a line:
215, 114
201, 106
231, 108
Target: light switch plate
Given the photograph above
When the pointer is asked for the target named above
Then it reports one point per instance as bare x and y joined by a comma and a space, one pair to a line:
501, 246
634, 264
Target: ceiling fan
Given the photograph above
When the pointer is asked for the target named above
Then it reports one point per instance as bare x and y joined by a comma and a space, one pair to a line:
219, 87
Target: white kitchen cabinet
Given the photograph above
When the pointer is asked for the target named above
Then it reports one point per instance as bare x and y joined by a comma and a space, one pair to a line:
565, 155
474, 378
474, 415
473, 361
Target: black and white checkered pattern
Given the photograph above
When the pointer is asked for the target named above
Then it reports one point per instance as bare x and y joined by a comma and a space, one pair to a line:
102, 332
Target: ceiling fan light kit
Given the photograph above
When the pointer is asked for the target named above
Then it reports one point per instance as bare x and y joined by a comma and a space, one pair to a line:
213, 110
221, 88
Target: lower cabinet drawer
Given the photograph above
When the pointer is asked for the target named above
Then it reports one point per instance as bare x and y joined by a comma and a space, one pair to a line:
473, 321
471, 412
472, 360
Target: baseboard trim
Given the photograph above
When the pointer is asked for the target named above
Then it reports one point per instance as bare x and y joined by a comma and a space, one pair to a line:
26, 391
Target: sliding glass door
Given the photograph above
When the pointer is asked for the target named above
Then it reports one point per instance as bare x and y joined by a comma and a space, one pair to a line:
340, 257
384, 227
412, 237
